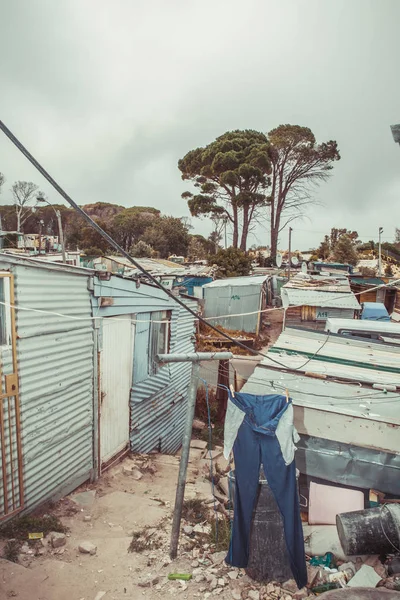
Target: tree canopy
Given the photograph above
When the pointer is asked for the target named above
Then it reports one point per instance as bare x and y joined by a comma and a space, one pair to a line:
231, 175
167, 235
24, 195
299, 164
330, 247
345, 251
231, 262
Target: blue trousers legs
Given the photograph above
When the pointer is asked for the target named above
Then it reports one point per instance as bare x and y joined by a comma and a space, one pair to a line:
250, 450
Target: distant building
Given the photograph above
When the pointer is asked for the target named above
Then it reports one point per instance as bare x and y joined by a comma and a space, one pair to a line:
325, 267
311, 299
236, 302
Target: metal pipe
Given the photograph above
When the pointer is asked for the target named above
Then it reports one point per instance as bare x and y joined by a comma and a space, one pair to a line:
61, 236
290, 250
380, 253
180, 489
194, 357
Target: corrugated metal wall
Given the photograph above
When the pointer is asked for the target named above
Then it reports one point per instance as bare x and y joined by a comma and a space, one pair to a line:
158, 403
234, 300
56, 366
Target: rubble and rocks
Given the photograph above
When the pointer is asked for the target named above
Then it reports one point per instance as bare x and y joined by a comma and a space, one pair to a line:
198, 444
25, 549
132, 471
149, 581
57, 539
198, 425
199, 554
365, 577
87, 548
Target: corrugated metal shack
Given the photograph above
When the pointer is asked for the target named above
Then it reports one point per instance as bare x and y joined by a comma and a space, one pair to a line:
235, 296
367, 291
311, 299
80, 383
50, 451
157, 395
350, 432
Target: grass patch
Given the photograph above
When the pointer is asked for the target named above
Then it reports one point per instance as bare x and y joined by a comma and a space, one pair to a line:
11, 550
145, 539
19, 528
220, 535
194, 511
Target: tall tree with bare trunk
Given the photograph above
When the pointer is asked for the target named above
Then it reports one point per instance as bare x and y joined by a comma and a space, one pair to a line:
299, 165
232, 177
24, 194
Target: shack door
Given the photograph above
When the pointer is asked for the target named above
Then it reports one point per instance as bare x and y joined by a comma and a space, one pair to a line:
116, 362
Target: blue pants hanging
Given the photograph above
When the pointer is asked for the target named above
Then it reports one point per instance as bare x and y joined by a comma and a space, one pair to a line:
256, 444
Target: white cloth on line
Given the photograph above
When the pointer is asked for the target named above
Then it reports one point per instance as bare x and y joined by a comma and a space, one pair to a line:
286, 432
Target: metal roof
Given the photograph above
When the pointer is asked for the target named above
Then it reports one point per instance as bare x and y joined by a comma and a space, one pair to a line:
312, 297
237, 281
326, 395
14, 259
325, 283
335, 356
370, 281
362, 325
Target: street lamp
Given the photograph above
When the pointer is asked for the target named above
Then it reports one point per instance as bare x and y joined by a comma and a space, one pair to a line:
42, 199
380, 253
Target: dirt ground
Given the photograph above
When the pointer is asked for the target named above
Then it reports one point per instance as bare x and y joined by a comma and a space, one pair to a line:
117, 506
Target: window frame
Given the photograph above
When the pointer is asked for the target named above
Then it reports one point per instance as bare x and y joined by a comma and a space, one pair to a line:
162, 319
6, 325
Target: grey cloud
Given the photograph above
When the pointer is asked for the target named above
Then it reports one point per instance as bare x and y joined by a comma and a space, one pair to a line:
110, 95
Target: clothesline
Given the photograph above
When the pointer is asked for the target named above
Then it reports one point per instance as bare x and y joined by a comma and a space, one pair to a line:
348, 399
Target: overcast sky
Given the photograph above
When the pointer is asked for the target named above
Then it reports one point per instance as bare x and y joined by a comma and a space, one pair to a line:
108, 95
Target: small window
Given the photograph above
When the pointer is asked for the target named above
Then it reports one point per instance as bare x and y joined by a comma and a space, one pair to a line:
159, 338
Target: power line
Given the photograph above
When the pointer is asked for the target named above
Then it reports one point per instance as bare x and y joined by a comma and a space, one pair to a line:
197, 317
113, 243
276, 383
118, 248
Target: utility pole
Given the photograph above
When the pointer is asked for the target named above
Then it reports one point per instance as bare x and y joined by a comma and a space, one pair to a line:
195, 359
290, 250
41, 222
61, 236
380, 253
